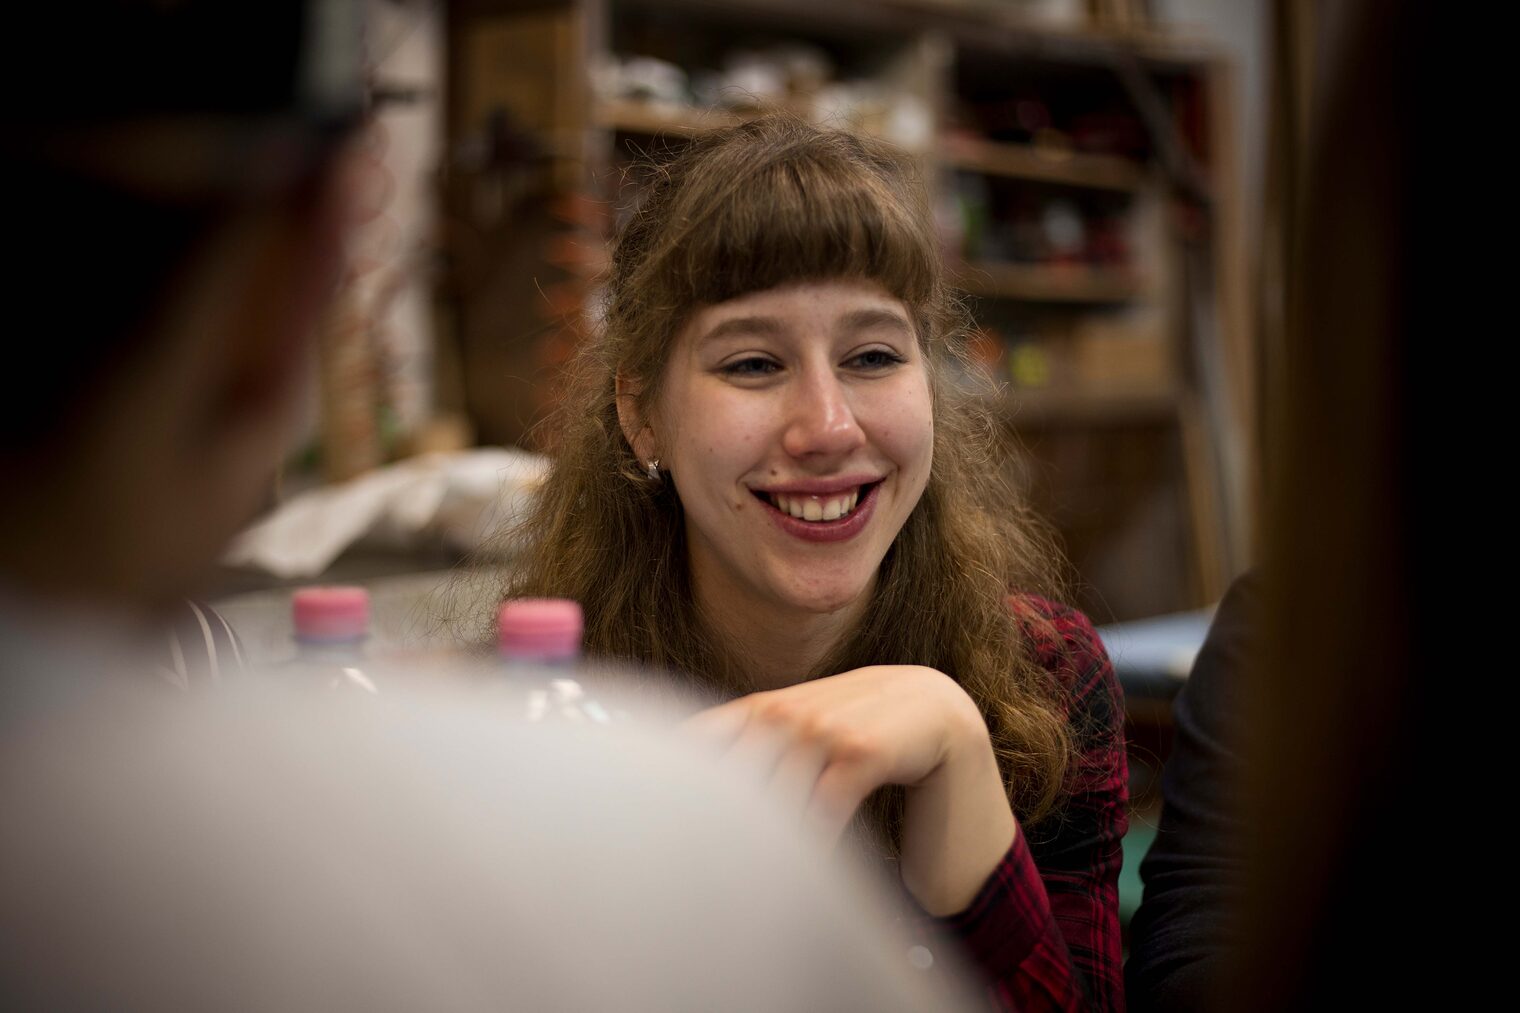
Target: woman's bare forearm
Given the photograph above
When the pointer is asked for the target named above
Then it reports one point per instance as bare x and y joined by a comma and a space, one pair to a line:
957, 824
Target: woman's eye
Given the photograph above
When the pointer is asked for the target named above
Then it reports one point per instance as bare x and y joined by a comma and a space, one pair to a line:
876, 358
754, 366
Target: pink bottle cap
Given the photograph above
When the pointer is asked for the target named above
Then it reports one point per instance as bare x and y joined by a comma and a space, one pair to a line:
543, 628
331, 613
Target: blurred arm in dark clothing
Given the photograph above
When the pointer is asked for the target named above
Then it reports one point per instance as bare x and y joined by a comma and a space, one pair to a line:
1182, 937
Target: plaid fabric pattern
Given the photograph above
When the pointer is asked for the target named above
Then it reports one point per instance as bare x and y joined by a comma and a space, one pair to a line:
1044, 930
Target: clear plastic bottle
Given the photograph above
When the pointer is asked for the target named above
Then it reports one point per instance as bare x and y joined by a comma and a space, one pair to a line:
331, 628
540, 642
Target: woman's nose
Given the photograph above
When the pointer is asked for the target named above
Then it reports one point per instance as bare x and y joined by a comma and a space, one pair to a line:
822, 420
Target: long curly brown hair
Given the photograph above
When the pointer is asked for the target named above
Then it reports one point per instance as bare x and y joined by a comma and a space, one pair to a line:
744, 209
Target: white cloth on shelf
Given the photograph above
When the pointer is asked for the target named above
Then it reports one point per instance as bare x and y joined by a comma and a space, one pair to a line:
462, 500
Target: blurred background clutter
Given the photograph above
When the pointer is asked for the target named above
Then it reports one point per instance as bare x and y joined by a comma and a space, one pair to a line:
1089, 166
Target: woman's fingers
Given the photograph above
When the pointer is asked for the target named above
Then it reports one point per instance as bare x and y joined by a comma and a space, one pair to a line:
796, 776
838, 792
768, 749
759, 748
755, 748
823, 746
718, 726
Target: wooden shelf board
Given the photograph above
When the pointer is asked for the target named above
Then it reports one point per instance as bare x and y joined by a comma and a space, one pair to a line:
1023, 161
988, 23
1041, 283
1044, 407
657, 119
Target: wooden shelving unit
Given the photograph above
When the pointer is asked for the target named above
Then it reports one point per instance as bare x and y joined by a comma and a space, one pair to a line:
933, 54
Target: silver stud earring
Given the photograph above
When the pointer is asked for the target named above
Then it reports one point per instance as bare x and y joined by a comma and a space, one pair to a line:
652, 469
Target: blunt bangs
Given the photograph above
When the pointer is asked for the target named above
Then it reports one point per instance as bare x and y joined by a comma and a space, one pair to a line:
813, 205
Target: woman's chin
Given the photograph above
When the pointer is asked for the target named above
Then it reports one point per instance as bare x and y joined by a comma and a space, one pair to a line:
825, 601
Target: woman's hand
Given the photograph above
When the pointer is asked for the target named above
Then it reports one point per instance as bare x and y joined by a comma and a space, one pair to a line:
823, 746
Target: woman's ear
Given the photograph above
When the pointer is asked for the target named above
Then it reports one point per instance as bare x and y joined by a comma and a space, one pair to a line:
639, 436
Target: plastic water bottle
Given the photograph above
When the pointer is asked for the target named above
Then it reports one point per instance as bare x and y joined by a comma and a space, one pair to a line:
331, 628
540, 641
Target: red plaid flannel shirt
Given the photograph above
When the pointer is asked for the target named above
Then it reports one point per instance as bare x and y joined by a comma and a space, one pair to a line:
1044, 930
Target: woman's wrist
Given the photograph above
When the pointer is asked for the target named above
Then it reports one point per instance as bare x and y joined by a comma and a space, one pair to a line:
957, 823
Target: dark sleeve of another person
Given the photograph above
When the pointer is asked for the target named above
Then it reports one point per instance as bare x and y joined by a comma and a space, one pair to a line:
1180, 938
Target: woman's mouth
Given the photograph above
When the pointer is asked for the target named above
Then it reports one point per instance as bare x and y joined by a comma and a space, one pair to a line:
815, 508
825, 517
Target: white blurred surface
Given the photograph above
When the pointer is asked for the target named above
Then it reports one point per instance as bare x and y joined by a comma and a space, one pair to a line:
463, 500
262, 848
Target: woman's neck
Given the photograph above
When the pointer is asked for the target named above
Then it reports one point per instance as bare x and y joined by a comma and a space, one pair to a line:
778, 646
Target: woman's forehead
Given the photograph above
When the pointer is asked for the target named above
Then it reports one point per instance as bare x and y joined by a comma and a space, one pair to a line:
849, 303
832, 295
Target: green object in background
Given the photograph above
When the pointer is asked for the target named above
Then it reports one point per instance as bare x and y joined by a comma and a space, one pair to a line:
1136, 843
1028, 365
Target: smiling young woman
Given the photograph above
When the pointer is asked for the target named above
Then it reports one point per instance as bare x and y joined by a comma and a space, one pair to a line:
797, 427
768, 477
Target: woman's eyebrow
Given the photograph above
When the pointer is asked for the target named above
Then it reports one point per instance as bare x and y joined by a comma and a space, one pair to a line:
859, 320
742, 326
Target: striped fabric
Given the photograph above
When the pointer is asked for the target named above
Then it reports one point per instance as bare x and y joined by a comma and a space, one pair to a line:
200, 648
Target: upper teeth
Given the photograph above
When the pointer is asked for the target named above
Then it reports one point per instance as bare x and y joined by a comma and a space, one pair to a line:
816, 508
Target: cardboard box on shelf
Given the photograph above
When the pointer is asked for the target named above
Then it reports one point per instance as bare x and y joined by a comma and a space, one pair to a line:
1130, 352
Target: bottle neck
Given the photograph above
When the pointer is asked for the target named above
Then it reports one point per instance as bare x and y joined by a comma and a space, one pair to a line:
330, 650
553, 660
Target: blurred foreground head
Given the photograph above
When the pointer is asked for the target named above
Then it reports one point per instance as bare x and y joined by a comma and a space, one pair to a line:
177, 213
1344, 734
179, 176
